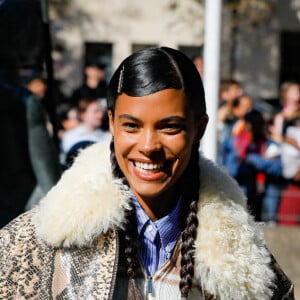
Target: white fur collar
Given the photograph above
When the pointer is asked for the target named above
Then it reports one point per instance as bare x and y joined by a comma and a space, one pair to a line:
230, 261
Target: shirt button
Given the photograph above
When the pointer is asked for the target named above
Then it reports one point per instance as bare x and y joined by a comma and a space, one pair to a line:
149, 228
168, 248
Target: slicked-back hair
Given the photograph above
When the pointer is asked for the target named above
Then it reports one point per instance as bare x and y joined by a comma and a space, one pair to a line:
154, 69
143, 73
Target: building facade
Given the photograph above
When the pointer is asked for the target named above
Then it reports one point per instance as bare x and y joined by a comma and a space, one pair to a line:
109, 30
259, 52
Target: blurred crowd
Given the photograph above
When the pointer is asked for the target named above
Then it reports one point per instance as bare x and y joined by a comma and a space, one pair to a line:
41, 144
259, 148
81, 119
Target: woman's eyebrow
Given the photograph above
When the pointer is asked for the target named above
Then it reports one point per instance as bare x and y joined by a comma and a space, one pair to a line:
126, 116
173, 118
170, 118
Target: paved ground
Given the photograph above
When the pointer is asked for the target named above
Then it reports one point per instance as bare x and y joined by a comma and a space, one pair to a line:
284, 242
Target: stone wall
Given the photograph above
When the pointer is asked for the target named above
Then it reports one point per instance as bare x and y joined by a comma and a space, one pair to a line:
122, 23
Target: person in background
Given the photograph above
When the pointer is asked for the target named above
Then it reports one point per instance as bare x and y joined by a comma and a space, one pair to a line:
146, 216
289, 209
291, 151
90, 115
38, 87
230, 91
199, 63
231, 128
264, 154
68, 118
27, 155
240, 107
290, 101
284, 133
94, 85
254, 161
30, 161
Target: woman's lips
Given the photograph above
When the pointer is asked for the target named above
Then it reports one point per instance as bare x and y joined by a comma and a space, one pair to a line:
149, 171
148, 167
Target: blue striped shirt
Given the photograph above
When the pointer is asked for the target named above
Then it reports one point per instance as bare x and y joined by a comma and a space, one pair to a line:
157, 238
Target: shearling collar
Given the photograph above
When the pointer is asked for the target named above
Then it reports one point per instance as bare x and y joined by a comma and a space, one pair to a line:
230, 256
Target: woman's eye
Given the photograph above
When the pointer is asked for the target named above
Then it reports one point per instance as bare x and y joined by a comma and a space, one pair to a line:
130, 126
172, 128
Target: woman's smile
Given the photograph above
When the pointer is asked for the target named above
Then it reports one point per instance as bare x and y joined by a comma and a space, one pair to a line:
150, 171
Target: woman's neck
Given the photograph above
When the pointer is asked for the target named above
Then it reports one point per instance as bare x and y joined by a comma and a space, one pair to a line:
158, 207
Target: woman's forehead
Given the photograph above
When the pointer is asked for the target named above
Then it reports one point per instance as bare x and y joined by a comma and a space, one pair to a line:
163, 102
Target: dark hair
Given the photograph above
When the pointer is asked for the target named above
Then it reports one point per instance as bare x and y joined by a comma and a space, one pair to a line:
226, 83
145, 72
258, 125
84, 103
154, 69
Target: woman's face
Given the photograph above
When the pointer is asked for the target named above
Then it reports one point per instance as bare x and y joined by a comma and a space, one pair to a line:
153, 137
93, 116
293, 95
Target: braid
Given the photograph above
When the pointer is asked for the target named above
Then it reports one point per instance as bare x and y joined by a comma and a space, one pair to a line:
189, 233
116, 171
131, 243
131, 240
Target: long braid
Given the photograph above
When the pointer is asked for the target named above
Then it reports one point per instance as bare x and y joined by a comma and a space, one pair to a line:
131, 244
131, 241
116, 171
189, 233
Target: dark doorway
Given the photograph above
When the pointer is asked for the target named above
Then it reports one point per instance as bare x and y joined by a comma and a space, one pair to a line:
192, 51
290, 58
100, 53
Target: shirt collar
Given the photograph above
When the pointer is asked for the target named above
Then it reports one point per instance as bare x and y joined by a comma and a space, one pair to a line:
168, 227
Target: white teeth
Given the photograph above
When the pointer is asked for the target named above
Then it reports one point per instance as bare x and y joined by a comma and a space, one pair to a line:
145, 166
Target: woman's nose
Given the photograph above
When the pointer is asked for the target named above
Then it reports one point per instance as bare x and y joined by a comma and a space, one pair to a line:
149, 141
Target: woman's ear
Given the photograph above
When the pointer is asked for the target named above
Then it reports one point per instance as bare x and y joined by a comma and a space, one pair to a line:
200, 128
111, 122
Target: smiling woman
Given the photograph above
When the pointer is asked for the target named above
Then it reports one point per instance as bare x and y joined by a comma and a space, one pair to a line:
148, 217
153, 138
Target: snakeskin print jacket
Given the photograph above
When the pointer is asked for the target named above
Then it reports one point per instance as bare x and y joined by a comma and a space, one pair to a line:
70, 246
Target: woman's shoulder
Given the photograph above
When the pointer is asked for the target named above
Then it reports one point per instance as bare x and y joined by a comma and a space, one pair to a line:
18, 240
18, 231
23, 220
